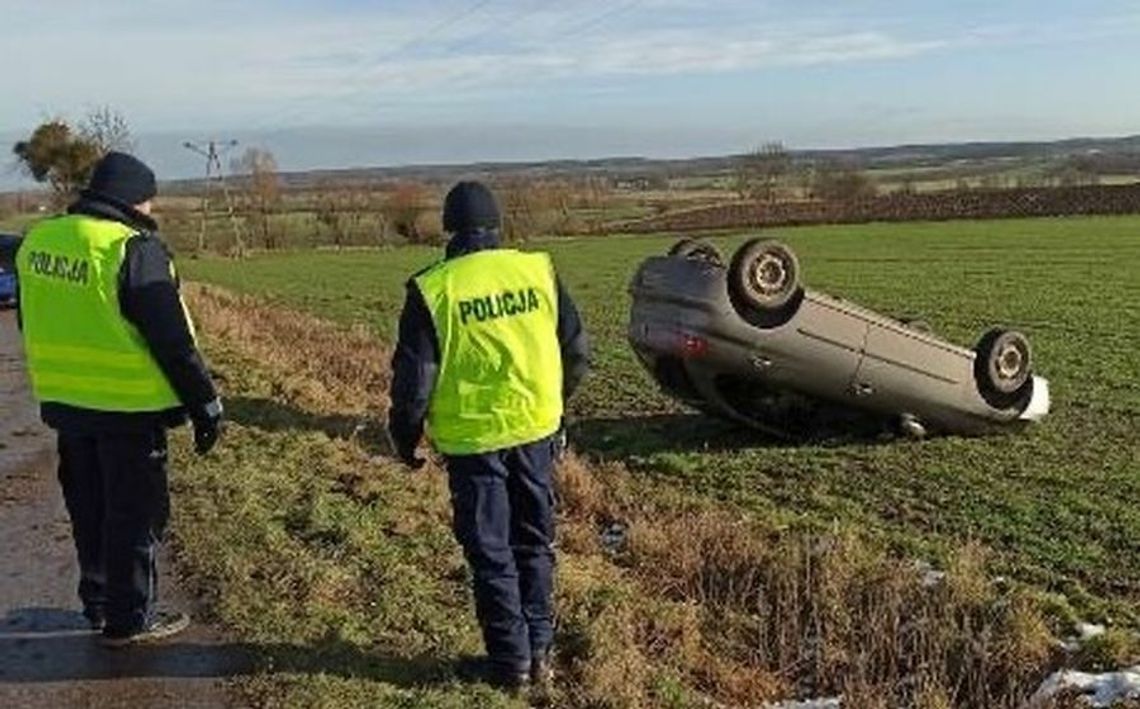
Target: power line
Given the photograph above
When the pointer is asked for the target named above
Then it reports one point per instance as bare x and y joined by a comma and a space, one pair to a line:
597, 20
498, 28
358, 73
354, 103
434, 30
357, 81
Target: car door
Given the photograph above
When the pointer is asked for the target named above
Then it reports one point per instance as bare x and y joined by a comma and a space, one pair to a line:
906, 371
821, 351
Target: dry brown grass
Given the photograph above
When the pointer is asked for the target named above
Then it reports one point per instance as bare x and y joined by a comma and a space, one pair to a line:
698, 602
327, 368
773, 612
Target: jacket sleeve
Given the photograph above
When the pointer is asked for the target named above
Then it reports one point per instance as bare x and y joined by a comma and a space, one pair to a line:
149, 299
414, 367
573, 341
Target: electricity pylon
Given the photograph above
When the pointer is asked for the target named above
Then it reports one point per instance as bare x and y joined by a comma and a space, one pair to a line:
213, 150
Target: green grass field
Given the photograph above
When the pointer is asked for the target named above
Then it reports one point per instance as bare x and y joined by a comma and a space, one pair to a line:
1057, 505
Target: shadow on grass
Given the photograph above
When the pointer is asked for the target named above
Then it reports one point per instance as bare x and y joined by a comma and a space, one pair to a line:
692, 432
42, 645
272, 415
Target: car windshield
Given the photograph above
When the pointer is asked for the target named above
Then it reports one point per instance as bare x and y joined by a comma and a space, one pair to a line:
8, 246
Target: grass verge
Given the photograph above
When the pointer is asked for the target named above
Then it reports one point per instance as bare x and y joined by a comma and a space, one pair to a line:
337, 568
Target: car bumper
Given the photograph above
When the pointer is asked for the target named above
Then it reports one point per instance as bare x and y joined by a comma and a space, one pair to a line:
1039, 403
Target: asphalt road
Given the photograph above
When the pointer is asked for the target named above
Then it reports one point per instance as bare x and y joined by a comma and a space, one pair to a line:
48, 657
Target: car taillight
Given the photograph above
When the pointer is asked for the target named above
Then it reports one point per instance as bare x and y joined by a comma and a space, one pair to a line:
693, 346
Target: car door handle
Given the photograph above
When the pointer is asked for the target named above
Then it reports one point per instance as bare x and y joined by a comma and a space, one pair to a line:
761, 362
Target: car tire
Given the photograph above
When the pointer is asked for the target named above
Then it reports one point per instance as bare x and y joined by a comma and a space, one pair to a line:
697, 250
764, 276
1003, 367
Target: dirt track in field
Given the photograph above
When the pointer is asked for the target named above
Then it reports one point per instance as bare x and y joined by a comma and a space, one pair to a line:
48, 657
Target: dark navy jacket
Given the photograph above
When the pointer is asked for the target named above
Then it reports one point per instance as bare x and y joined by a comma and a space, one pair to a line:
148, 298
416, 360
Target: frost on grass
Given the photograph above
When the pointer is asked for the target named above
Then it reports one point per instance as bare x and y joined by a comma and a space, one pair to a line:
1095, 690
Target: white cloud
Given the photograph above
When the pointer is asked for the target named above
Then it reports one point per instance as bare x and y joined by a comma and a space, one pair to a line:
659, 53
179, 63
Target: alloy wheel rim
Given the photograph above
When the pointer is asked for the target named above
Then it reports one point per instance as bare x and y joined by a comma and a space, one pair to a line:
770, 274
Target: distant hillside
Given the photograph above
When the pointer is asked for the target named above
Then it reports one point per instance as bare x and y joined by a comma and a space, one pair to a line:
1126, 152
899, 156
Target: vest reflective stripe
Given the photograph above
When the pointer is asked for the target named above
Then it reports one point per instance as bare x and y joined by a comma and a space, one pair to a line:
85, 383
69, 356
500, 374
81, 351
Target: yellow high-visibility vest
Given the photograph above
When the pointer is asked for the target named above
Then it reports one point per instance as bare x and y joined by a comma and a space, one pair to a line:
499, 383
80, 349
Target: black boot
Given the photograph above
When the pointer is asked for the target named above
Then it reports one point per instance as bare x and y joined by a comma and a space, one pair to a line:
508, 679
499, 675
159, 626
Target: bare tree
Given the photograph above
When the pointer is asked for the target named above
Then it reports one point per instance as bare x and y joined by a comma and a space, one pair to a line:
108, 130
841, 182
595, 197
336, 217
521, 203
404, 208
262, 195
63, 155
353, 216
760, 172
1074, 171
533, 207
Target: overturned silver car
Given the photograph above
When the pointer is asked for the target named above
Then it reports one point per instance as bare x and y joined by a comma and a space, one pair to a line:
745, 341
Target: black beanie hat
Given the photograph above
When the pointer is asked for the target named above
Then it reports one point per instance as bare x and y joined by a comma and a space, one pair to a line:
469, 206
122, 178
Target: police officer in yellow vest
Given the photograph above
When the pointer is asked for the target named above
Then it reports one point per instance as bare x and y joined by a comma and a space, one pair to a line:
490, 344
113, 361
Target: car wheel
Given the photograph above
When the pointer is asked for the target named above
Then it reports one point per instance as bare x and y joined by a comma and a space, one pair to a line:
1003, 366
697, 250
764, 275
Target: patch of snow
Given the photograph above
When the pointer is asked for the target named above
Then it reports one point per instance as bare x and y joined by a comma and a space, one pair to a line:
1088, 631
1070, 646
931, 577
1085, 633
1103, 690
832, 703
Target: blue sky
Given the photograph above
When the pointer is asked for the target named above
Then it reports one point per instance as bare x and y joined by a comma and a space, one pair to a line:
495, 79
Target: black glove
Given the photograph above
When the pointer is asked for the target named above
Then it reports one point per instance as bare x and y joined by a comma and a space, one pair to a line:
411, 460
207, 422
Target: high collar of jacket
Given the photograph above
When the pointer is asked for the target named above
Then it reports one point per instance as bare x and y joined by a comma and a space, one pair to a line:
105, 208
469, 242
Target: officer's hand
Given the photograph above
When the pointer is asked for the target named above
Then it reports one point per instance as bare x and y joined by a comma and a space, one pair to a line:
207, 426
415, 463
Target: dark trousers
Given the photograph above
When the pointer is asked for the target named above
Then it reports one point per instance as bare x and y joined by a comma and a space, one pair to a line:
504, 519
116, 492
